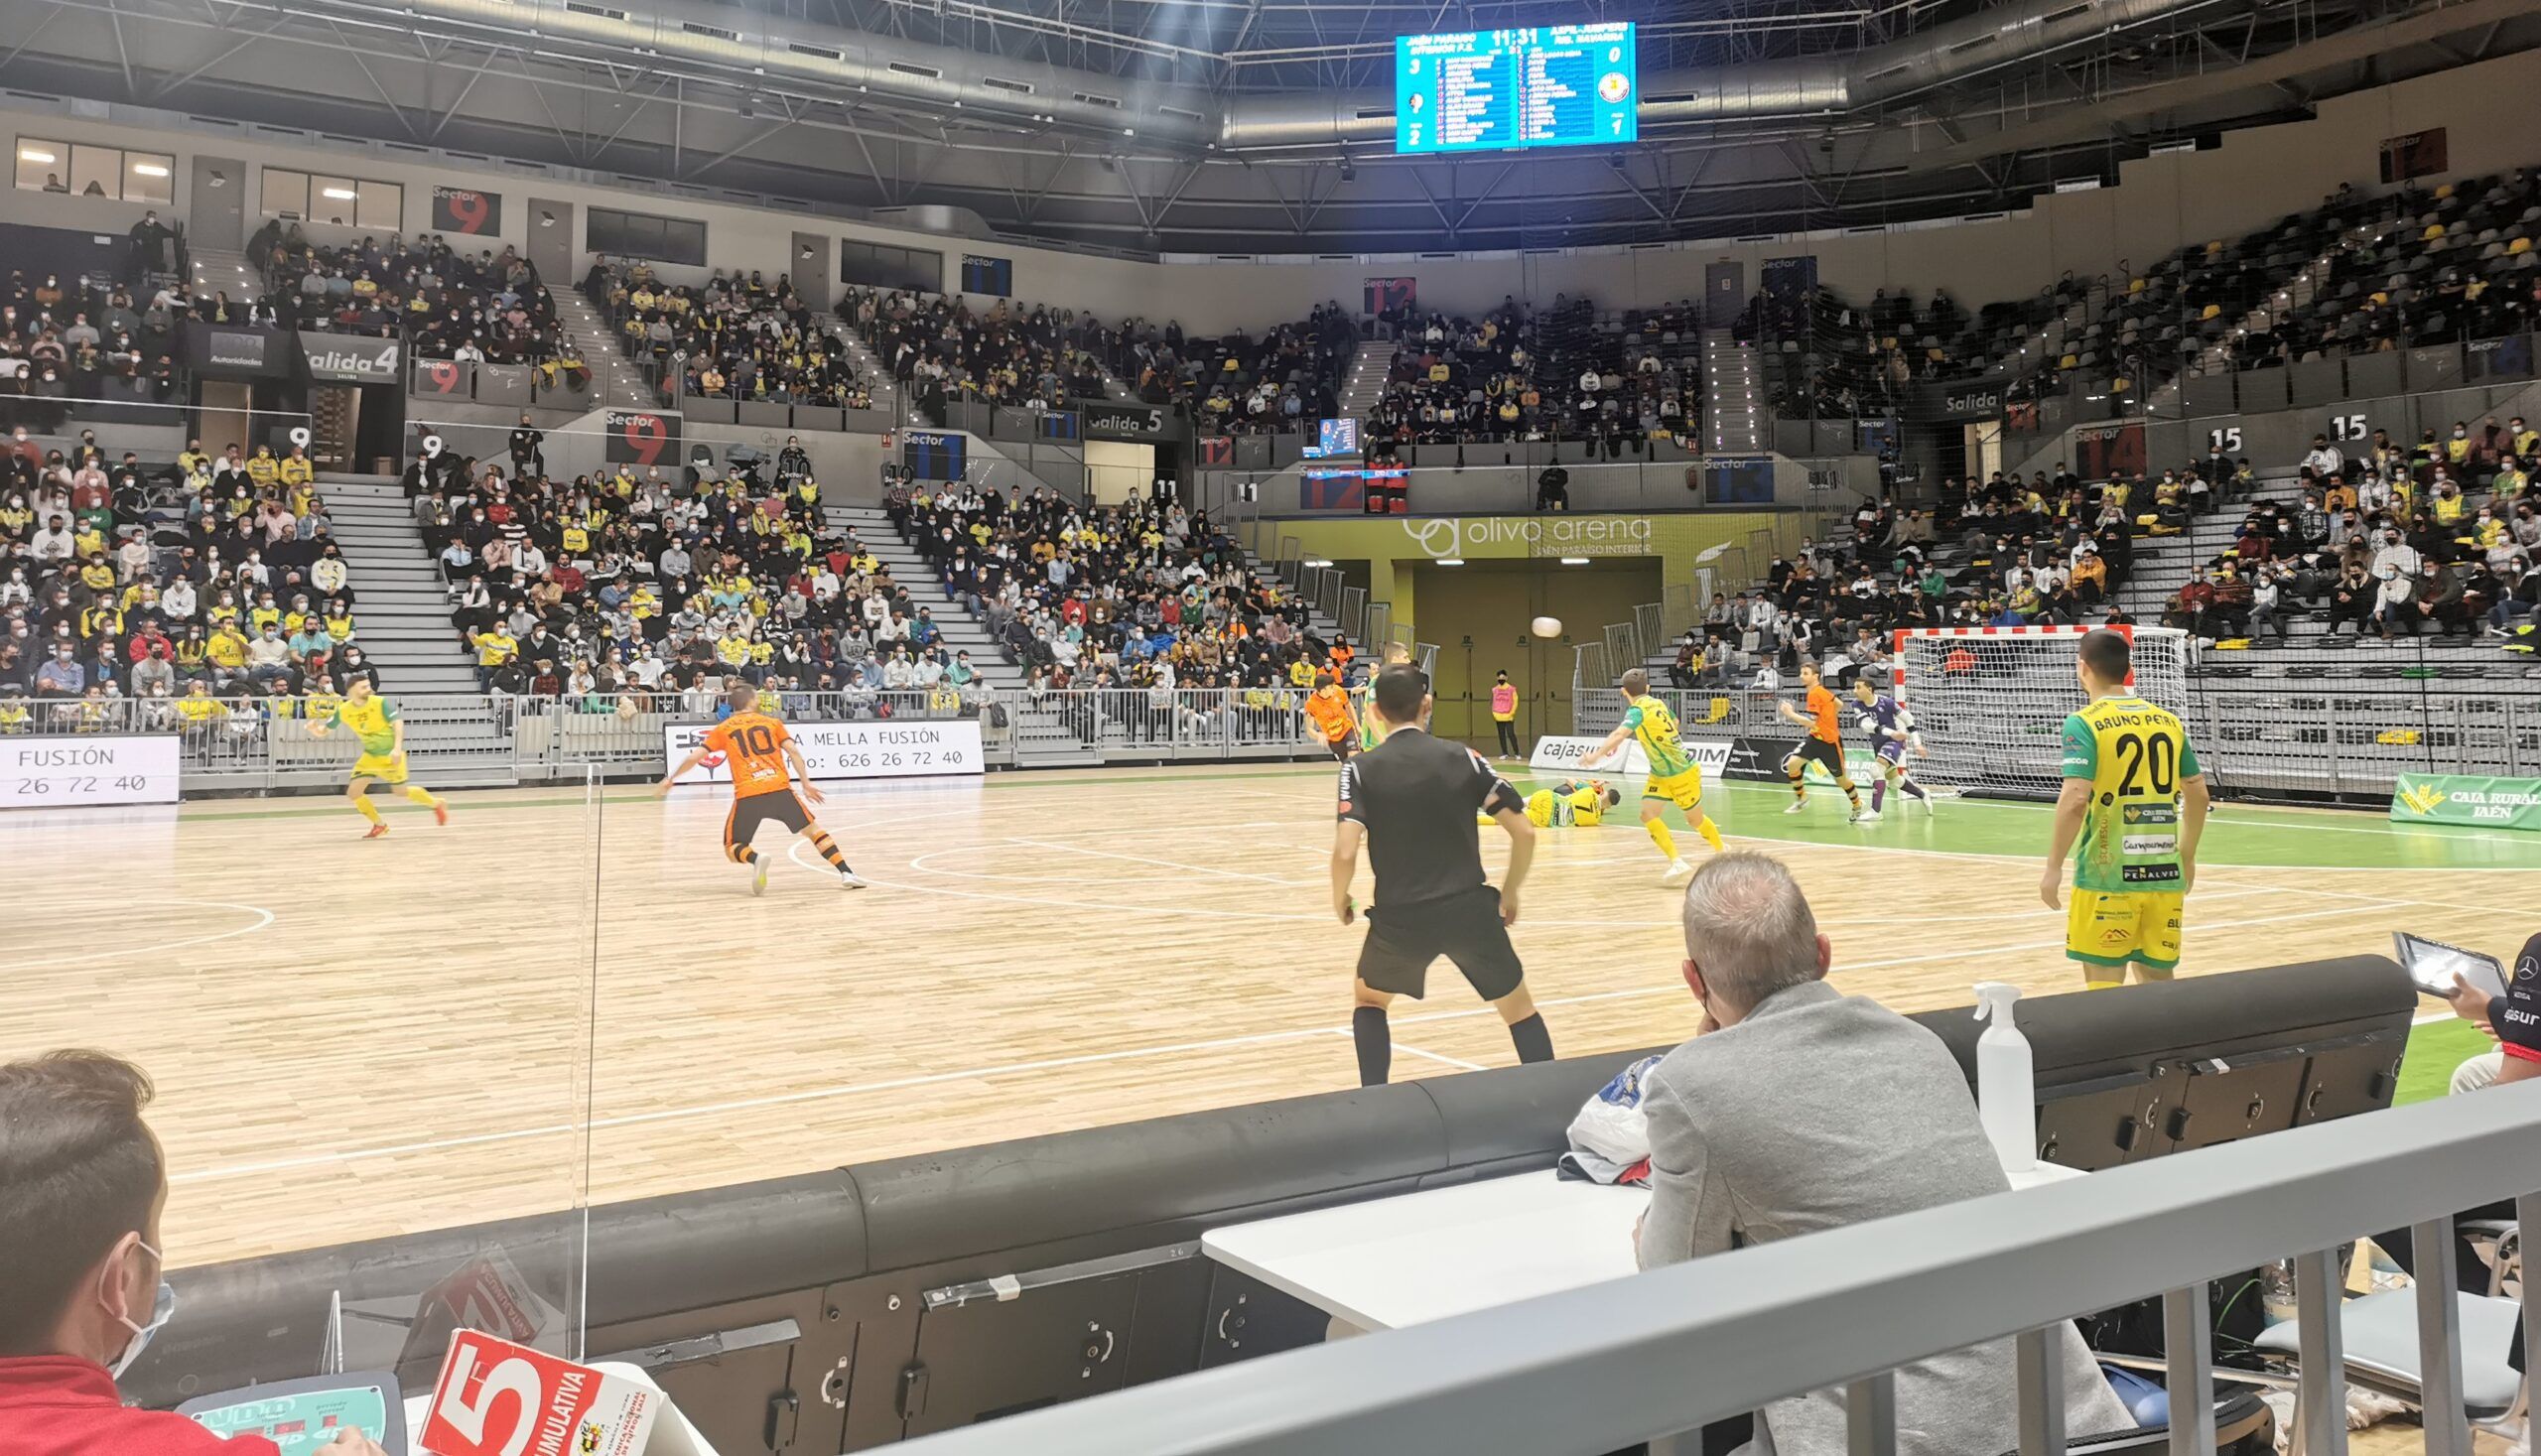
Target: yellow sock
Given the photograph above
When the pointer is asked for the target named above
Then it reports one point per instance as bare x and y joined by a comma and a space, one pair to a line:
368, 810
422, 795
1710, 831
1662, 836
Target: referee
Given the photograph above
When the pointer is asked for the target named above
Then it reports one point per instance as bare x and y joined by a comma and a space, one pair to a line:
1412, 798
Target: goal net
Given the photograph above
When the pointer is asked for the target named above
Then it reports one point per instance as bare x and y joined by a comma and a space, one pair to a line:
1990, 702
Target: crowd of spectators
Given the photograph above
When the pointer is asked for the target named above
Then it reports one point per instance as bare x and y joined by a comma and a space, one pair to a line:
1286, 380
943, 351
1518, 373
65, 341
623, 591
1145, 594
171, 597
731, 338
492, 308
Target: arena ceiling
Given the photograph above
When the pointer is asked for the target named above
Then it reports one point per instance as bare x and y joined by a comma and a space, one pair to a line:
1253, 126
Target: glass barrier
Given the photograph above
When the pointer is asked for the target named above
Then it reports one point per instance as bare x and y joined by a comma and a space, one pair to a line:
371, 1032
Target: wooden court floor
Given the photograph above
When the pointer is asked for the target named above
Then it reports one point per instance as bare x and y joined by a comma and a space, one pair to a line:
555, 998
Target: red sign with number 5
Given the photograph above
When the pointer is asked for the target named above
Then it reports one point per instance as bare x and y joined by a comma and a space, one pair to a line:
499, 1398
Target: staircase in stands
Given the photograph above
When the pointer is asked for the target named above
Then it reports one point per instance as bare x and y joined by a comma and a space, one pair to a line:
1367, 382
1734, 415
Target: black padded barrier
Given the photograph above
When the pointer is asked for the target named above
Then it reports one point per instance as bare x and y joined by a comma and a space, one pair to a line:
849, 1309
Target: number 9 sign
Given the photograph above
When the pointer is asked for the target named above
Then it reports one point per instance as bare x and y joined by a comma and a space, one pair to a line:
499, 1398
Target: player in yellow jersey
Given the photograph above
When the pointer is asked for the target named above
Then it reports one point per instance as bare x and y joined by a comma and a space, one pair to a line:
1568, 804
374, 720
1675, 779
2135, 797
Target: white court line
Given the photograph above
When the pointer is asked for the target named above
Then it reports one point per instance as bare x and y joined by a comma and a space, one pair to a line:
1120, 1054
1159, 863
1418, 1051
264, 917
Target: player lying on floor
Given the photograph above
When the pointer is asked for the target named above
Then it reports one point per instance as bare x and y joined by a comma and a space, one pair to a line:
1566, 804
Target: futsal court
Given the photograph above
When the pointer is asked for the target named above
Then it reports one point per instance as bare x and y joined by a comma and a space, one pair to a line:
561, 997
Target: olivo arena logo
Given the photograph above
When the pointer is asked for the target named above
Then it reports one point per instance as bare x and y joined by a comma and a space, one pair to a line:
1442, 537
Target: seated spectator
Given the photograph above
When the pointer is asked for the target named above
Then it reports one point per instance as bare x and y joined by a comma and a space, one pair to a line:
1798, 1108
83, 1185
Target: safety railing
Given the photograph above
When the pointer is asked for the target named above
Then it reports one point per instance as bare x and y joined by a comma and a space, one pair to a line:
2258, 737
261, 743
1666, 1351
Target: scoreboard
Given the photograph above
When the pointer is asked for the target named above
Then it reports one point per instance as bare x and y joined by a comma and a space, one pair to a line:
1554, 85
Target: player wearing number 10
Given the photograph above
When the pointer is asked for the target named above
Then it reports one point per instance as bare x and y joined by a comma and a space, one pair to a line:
375, 721
764, 760
2136, 798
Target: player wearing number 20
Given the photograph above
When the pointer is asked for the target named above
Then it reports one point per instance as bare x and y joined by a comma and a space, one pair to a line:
764, 760
2135, 797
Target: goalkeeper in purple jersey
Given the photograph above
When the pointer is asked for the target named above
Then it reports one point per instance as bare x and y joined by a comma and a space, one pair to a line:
1891, 730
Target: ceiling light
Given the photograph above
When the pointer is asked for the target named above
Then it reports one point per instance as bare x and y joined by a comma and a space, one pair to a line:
337, 193
1450, 561
1574, 560
29, 154
149, 168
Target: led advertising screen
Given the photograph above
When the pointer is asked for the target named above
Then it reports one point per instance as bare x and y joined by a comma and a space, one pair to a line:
1553, 85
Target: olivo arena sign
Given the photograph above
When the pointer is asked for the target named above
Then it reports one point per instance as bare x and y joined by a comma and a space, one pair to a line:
1447, 538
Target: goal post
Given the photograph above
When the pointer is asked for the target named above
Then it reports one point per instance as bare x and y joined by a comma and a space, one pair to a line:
1990, 702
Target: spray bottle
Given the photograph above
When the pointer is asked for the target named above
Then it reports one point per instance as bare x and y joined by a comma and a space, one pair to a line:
2006, 1089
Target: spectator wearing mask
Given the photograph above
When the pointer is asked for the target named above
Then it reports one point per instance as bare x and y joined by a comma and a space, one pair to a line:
82, 1256
1797, 1108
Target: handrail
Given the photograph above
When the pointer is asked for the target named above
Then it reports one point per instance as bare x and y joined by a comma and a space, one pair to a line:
1601, 1368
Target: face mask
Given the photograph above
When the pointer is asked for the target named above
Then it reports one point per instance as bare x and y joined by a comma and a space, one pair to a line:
162, 1309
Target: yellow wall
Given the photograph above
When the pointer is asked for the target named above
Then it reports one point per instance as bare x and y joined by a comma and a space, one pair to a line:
1495, 602
1114, 469
1392, 546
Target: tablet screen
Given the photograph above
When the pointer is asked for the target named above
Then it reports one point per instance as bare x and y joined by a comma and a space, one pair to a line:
2433, 965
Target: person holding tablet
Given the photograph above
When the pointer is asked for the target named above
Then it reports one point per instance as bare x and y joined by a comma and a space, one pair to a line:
2514, 1019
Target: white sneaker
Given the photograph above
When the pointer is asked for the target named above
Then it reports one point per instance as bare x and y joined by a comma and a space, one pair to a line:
1866, 816
1931, 805
1795, 806
758, 877
1677, 873
848, 879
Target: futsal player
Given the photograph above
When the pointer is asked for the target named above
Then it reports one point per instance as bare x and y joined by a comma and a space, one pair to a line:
1674, 777
1329, 707
765, 763
1824, 745
1892, 731
1394, 655
374, 720
1411, 800
2135, 797
1567, 804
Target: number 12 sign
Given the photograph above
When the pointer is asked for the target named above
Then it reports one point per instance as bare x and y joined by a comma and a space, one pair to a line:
499, 1398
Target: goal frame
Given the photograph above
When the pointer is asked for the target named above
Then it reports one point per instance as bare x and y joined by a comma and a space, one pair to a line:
1902, 682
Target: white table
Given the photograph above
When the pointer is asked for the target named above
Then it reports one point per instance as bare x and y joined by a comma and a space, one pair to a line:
1395, 1261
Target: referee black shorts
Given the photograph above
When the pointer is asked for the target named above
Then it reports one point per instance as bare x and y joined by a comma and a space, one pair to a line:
1818, 750
782, 806
1466, 929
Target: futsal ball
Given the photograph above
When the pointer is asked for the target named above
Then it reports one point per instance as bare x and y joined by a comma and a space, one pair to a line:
1867, 722
1547, 626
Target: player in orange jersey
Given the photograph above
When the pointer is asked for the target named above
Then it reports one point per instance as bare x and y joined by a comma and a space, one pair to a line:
1329, 707
1824, 745
765, 763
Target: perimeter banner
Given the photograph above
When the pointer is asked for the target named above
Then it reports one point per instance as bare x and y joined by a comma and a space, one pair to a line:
2459, 798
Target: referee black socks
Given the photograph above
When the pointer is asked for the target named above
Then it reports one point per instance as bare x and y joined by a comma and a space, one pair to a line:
1368, 1032
1533, 1042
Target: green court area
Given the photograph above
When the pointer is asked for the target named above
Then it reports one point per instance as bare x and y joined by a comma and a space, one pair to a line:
2238, 835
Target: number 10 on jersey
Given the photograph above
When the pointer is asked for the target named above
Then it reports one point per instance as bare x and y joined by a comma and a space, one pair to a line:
499, 1398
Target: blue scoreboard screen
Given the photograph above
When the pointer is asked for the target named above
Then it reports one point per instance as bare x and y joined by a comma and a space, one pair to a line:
1553, 85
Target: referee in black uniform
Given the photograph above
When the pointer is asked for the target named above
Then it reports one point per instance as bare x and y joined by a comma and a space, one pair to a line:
1412, 798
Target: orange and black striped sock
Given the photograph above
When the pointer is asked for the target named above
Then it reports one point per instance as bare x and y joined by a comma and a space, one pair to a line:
828, 846
741, 853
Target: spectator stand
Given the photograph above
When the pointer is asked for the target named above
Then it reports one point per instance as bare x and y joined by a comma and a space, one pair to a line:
745, 340
90, 330
937, 349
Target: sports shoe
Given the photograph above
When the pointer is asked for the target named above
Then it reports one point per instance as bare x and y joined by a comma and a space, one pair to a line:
849, 879
758, 875
376, 831
1864, 816
1795, 806
1931, 805
440, 814
1677, 873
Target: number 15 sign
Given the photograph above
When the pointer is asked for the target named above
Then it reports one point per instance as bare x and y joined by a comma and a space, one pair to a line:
499, 1398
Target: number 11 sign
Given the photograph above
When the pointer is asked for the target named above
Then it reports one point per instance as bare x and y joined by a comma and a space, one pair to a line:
499, 1398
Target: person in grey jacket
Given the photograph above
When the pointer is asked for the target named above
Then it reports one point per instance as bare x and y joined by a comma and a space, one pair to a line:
1799, 1108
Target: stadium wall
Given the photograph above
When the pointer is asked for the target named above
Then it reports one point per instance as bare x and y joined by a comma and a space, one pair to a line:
2255, 176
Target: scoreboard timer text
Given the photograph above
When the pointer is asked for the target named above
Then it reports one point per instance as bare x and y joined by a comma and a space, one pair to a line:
882, 748
69, 772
